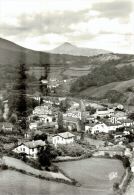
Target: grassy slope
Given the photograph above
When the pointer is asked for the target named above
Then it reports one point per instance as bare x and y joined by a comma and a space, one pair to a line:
20, 165
90, 174
15, 183
99, 92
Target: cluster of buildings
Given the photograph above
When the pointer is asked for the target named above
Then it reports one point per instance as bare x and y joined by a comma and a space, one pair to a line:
77, 120
106, 121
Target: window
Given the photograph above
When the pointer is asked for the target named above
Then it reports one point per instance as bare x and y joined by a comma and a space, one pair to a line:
23, 149
32, 149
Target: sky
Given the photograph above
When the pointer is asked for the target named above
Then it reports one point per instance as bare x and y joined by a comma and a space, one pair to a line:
46, 24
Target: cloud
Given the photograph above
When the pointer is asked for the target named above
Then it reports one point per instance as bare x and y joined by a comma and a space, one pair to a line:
114, 9
50, 22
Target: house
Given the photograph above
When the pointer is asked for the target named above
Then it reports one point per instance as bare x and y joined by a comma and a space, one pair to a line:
120, 115
128, 152
113, 127
104, 113
99, 128
42, 110
73, 114
29, 148
37, 96
63, 138
114, 119
5, 126
33, 125
127, 122
89, 126
48, 118
71, 123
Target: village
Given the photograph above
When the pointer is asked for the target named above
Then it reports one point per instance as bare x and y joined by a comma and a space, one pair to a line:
62, 129
73, 129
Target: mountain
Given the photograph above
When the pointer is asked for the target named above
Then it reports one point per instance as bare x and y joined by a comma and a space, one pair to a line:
70, 49
65, 66
13, 54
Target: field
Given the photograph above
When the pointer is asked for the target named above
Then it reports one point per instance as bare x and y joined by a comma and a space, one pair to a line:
20, 165
100, 92
94, 172
78, 71
15, 183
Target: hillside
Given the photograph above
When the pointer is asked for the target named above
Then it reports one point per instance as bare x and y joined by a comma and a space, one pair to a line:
12, 54
68, 66
124, 88
70, 49
100, 92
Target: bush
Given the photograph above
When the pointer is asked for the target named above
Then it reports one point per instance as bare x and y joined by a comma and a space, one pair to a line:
124, 160
72, 150
4, 167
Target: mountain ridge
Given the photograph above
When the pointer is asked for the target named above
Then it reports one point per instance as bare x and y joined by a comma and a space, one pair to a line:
70, 49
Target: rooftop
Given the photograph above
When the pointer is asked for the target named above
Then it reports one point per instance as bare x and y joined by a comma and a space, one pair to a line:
65, 135
34, 144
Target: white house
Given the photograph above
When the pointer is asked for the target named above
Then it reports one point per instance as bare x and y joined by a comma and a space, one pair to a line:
7, 126
127, 123
63, 138
100, 127
47, 119
113, 127
42, 110
103, 113
29, 148
73, 114
113, 119
120, 115
88, 127
33, 125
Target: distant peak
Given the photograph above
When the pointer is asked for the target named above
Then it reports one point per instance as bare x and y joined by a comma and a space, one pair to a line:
66, 43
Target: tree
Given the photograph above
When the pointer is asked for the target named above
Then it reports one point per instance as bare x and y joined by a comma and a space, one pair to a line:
60, 122
17, 98
126, 162
46, 155
117, 189
42, 137
44, 86
13, 119
64, 105
21, 87
91, 110
131, 116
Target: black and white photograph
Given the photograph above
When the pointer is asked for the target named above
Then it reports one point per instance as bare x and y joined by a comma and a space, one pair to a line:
66, 97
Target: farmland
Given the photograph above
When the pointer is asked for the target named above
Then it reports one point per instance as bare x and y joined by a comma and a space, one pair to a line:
15, 183
94, 172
